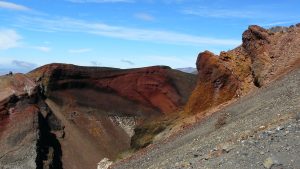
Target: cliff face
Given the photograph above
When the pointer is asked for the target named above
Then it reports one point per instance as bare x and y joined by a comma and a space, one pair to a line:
67, 116
263, 56
25, 136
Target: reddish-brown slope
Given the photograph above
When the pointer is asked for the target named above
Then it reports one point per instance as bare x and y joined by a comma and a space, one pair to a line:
100, 107
156, 88
263, 56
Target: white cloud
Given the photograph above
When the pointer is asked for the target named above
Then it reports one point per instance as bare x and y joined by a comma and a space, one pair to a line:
83, 50
42, 48
144, 17
127, 33
13, 6
100, 1
9, 39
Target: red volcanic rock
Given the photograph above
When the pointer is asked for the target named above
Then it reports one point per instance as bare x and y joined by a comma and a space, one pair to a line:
216, 83
150, 87
264, 56
12, 88
19, 136
154, 87
256, 42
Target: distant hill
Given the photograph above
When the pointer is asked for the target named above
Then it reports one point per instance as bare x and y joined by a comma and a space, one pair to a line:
188, 70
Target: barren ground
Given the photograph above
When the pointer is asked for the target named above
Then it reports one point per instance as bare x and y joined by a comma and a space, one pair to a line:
261, 130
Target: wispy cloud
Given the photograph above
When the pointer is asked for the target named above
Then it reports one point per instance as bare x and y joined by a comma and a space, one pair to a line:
100, 1
23, 64
9, 39
220, 13
42, 48
173, 1
127, 33
128, 62
13, 6
83, 50
144, 17
278, 23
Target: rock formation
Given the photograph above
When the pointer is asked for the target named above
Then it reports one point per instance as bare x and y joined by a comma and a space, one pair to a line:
263, 56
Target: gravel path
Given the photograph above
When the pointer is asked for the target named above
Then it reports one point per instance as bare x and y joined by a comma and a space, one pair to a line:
261, 130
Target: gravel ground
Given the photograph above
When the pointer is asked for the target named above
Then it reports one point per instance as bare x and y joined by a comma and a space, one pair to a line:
261, 130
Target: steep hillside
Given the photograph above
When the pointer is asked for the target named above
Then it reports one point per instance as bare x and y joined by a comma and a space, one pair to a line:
82, 114
264, 56
19, 128
261, 130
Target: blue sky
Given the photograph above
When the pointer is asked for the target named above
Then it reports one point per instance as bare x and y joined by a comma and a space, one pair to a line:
128, 33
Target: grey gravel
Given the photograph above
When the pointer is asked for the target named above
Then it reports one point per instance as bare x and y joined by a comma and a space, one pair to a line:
262, 130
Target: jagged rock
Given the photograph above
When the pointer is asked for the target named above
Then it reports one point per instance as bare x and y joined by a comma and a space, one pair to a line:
216, 83
19, 132
256, 42
277, 29
19, 136
262, 57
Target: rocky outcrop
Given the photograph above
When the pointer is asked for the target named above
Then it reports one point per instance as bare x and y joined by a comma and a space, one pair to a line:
256, 43
24, 137
216, 83
263, 56
19, 137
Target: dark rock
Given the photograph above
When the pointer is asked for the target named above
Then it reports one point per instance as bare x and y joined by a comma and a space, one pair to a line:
256, 42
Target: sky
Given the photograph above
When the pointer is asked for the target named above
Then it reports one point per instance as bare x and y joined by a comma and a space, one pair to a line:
129, 33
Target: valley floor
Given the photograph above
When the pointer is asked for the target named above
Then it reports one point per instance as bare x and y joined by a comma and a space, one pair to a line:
261, 130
